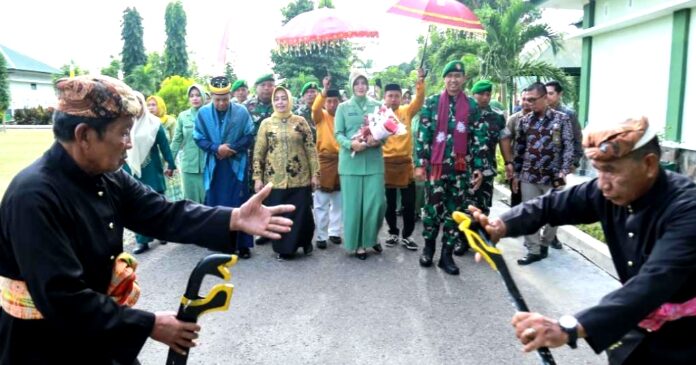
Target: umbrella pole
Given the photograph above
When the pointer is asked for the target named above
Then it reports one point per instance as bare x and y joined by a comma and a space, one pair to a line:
425, 45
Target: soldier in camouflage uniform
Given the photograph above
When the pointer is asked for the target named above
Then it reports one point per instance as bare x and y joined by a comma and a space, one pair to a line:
491, 130
487, 133
304, 106
240, 91
260, 107
450, 159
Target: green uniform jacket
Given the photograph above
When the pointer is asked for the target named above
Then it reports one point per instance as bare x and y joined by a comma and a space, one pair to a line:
192, 158
349, 119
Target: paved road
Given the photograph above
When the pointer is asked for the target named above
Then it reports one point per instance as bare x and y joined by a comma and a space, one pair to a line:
331, 308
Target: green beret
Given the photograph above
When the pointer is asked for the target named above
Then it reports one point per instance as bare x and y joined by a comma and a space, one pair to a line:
453, 66
309, 85
482, 86
264, 78
239, 83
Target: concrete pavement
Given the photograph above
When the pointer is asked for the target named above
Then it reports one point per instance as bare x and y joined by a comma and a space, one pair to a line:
331, 308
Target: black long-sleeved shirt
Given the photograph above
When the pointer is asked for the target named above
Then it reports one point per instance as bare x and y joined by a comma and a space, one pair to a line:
653, 247
60, 231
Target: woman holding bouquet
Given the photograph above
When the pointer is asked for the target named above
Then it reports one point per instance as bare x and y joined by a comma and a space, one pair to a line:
285, 155
361, 171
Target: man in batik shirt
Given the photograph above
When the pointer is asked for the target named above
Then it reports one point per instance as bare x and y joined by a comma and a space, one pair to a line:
544, 155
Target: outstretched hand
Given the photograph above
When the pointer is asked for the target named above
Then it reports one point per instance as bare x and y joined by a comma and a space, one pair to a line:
256, 219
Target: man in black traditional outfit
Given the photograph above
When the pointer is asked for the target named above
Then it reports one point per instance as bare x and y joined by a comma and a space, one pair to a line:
61, 238
649, 219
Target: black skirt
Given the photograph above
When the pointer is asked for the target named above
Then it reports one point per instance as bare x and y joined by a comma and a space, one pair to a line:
302, 218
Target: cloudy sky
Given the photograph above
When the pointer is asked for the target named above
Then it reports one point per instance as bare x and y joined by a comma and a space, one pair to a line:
89, 32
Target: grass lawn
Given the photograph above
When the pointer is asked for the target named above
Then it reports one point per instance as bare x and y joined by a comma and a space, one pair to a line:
18, 149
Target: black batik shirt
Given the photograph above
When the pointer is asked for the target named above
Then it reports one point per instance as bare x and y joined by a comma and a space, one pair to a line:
60, 231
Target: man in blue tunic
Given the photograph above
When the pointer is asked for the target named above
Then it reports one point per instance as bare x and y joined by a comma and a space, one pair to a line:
224, 131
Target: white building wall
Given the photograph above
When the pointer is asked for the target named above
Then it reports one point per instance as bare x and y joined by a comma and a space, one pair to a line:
608, 10
689, 121
630, 73
23, 96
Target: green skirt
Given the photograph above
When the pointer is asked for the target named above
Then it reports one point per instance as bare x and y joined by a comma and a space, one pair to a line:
364, 204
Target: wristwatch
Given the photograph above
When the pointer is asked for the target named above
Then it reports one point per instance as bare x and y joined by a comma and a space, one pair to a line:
569, 325
508, 163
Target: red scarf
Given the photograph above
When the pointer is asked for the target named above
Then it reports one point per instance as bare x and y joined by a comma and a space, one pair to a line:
459, 134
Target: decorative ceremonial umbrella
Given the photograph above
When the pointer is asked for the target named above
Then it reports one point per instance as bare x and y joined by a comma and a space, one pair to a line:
321, 27
447, 13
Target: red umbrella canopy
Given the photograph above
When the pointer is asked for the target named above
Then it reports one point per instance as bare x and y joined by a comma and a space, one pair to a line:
448, 13
322, 26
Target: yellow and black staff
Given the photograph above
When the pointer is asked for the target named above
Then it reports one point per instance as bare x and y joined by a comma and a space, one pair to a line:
218, 299
479, 241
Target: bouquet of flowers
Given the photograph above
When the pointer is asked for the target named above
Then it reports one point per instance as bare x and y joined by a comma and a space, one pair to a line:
379, 125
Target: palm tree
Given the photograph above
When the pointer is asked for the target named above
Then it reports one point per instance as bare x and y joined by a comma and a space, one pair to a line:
508, 33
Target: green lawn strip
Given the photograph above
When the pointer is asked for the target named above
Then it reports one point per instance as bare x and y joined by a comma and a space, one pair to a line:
18, 149
594, 230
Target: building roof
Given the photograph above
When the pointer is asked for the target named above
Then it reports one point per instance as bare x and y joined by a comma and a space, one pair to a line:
18, 61
559, 4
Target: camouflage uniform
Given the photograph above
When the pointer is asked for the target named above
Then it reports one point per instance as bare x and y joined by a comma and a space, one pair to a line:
258, 111
305, 111
452, 191
487, 132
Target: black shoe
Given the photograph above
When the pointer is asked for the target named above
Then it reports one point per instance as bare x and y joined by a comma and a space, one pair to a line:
321, 245
378, 248
460, 249
262, 241
426, 258
555, 243
392, 241
446, 262
140, 248
361, 255
335, 239
530, 258
308, 249
283, 257
409, 244
544, 252
245, 253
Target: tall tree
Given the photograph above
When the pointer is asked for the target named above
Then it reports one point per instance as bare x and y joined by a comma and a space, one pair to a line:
148, 77
229, 73
113, 68
314, 63
133, 52
296, 8
175, 56
4, 88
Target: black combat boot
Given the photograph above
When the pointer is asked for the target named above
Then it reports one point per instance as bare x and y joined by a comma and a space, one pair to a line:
426, 258
446, 262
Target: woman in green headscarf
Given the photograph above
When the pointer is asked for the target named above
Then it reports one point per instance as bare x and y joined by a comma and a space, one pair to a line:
361, 170
285, 154
192, 161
